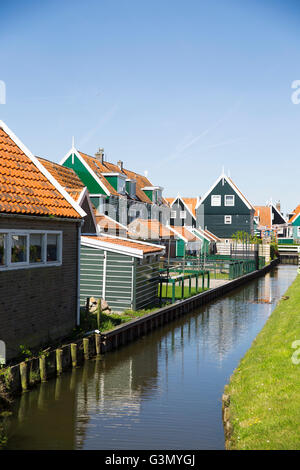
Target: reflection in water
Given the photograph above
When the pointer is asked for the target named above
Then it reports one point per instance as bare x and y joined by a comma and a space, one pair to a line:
162, 391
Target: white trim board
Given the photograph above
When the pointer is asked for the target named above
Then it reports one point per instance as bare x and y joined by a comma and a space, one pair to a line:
125, 250
42, 169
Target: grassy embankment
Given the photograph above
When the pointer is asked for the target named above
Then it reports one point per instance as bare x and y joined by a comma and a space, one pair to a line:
109, 321
264, 389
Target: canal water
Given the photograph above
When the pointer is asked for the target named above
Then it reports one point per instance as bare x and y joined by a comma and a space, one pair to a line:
162, 391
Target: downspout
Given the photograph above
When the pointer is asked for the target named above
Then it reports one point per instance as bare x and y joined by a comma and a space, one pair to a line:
104, 276
78, 270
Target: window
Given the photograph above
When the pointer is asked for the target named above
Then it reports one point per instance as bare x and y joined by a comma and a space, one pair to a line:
29, 248
183, 214
298, 231
121, 185
2, 249
216, 200
227, 219
19, 248
36, 248
229, 200
52, 247
173, 214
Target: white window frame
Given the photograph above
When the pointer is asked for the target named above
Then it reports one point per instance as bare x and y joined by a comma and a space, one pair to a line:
226, 202
183, 214
9, 265
298, 232
216, 200
226, 218
173, 214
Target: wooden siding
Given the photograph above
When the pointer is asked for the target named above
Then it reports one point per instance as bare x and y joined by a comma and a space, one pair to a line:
146, 283
177, 207
85, 176
242, 216
118, 292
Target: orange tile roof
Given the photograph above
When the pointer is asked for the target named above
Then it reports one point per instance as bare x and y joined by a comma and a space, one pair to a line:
66, 177
170, 200
24, 189
265, 216
107, 167
107, 223
189, 236
191, 203
129, 244
149, 229
296, 213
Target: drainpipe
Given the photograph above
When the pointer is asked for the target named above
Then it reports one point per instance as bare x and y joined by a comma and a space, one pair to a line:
78, 271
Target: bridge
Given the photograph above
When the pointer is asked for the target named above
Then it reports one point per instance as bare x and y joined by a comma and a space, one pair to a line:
289, 254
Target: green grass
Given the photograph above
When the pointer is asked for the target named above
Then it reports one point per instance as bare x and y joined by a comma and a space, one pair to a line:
110, 321
265, 388
167, 293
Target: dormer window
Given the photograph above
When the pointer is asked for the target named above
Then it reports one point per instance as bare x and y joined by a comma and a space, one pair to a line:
117, 180
131, 187
154, 193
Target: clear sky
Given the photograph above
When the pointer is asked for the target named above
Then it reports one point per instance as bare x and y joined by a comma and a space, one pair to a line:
178, 88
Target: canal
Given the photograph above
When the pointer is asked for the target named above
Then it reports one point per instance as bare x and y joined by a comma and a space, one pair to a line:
161, 392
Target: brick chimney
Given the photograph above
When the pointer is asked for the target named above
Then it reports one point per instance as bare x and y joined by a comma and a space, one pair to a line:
100, 155
120, 165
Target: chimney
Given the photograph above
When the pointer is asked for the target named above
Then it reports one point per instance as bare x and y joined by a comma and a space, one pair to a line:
278, 206
100, 155
120, 165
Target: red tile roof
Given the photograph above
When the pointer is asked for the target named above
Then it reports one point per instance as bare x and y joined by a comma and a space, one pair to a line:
191, 203
264, 213
66, 177
145, 248
296, 213
184, 232
149, 229
24, 189
107, 167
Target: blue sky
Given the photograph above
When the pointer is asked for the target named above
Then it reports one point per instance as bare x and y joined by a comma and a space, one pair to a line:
176, 88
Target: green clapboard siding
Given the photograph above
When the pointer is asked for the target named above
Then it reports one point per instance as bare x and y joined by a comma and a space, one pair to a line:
84, 175
146, 284
91, 273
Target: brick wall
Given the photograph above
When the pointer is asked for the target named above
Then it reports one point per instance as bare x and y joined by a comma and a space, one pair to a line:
39, 304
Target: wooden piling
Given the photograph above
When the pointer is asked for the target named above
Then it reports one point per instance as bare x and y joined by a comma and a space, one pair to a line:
98, 343
59, 361
42, 365
74, 354
24, 376
86, 348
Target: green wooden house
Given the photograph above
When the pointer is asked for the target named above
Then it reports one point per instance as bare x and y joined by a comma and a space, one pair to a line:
123, 272
224, 209
294, 226
115, 191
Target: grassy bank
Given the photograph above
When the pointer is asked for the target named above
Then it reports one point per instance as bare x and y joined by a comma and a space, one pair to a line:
264, 389
109, 321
